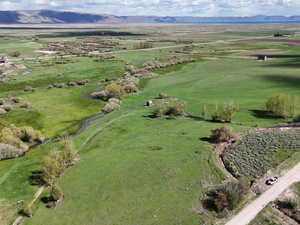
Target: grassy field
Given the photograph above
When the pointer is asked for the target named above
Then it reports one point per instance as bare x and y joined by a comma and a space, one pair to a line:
135, 169
134, 180
63, 107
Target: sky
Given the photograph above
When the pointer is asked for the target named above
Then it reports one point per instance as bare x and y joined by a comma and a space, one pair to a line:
162, 7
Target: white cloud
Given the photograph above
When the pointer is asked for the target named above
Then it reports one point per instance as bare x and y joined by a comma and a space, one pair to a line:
164, 7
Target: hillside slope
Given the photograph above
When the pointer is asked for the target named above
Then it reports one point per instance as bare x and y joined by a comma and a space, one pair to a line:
61, 17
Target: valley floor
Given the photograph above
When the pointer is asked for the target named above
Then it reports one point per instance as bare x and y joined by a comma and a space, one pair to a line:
135, 169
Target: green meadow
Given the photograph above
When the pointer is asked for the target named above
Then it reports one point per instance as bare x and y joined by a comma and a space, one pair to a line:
135, 169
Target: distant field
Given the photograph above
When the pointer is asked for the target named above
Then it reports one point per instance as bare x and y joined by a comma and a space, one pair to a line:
135, 169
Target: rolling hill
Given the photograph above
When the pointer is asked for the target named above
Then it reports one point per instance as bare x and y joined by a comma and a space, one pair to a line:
64, 17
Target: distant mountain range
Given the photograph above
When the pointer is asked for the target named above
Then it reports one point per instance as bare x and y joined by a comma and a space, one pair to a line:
61, 17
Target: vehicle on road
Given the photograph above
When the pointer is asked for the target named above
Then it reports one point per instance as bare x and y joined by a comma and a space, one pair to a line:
272, 181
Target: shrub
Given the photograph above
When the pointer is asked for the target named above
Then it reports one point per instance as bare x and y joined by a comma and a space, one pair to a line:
282, 105
15, 100
114, 90
14, 54
25, 105
176, 108
7, 108
28, 89
110, 107
222, 134
61, 85
100, 95
131, 88
9, 151
9, 135
290, 208
29, 135
2, 112
130, 84
115, 100
72, 83
82, 82
130, 69
287, 204
163, 96
227, 197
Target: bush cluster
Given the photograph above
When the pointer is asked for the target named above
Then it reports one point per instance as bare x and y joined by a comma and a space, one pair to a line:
112, 105
71, 83
154, 65
289, 208
14, 140
169, 107
227, 197
114, 91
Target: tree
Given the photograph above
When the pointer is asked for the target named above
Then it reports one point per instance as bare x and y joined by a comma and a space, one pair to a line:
282, 105
68, 153
224, 112
204, 112
56, 193
53, 167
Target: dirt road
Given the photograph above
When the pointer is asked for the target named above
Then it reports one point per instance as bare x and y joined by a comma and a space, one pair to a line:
249, 212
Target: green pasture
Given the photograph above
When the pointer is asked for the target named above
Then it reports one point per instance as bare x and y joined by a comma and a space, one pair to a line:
135, 169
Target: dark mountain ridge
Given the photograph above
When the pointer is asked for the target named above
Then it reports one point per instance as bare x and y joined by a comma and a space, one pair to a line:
66, 17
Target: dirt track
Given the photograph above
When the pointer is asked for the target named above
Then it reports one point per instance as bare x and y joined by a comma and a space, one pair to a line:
249, 212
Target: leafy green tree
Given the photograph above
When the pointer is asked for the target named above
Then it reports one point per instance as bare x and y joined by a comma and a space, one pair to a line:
53, 167
204, 112
282, 105
68, 153
56, 193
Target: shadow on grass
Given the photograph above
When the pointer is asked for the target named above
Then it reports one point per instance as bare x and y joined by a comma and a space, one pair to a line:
207, 139
197, 118
293, 81
289, 60
36, 178
263, 114
209, 203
